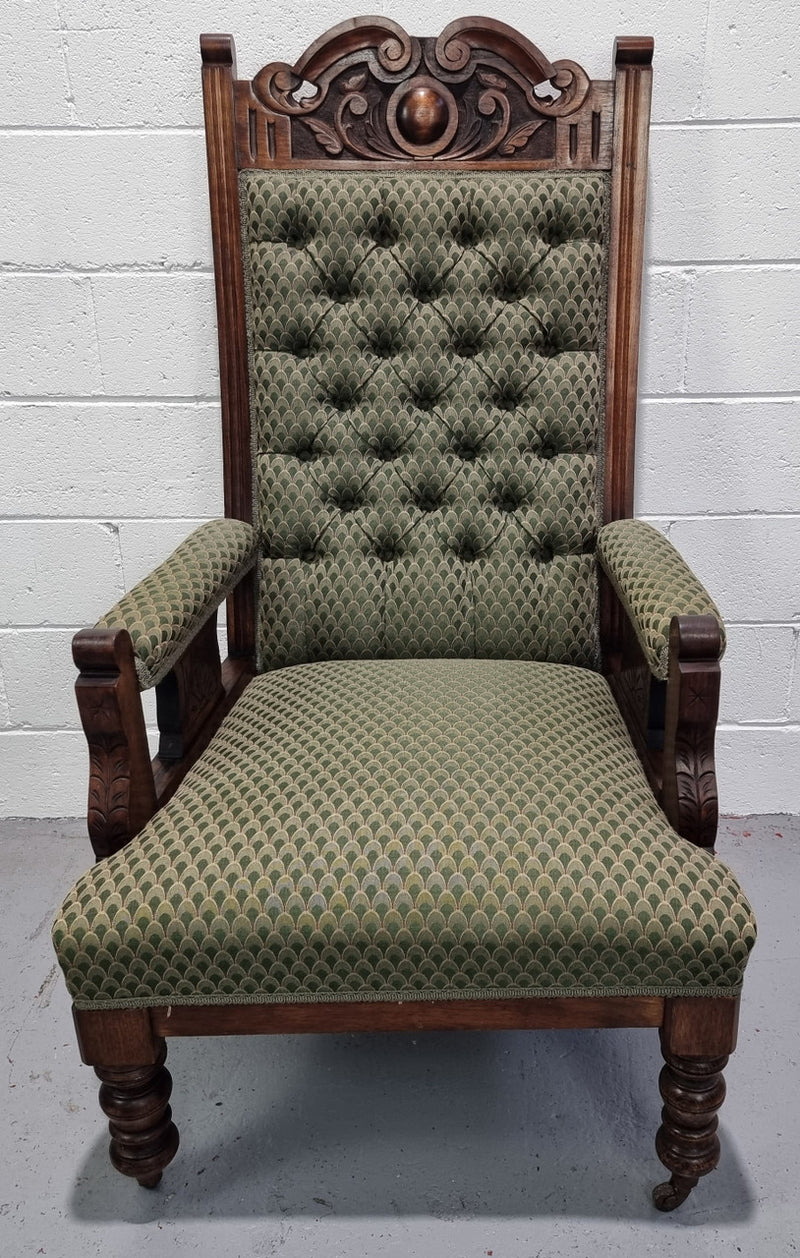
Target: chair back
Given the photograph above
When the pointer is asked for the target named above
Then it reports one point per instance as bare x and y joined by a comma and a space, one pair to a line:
418, 246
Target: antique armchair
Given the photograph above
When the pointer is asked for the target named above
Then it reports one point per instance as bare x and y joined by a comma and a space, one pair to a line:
458, 768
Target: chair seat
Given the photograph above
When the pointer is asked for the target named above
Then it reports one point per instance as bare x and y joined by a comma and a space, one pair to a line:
408, 828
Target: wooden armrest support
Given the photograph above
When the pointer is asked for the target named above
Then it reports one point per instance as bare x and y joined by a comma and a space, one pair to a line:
125, 786
672, 724
168, 775
689, 793
122, 795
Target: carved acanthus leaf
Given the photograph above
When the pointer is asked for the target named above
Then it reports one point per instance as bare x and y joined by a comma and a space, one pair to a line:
326, 136
109, 786
519, 138
696, 780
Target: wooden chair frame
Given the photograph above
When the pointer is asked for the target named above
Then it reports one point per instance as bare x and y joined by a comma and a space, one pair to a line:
593, 124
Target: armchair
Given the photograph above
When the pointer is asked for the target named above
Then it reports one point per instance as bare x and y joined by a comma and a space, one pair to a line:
457, 771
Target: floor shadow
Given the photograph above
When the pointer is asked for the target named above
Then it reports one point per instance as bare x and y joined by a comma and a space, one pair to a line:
444, 1124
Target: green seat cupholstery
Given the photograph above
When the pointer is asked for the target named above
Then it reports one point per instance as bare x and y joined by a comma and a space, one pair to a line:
433, 828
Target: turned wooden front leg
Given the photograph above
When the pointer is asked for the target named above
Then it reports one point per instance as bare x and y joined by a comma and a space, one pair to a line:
136, 1101
687, 1140
696, 1037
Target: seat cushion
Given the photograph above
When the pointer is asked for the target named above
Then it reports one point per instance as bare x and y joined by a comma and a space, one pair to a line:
408, 828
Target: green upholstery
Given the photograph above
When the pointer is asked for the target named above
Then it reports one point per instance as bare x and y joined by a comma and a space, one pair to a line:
427, 393
654, 584
399, 828
165, 610
430, 803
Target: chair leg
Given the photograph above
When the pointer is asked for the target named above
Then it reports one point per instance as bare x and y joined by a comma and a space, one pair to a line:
687, 1141
697, 1036
136, 1101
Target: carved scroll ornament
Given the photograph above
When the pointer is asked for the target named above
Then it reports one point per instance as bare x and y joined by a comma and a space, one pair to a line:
368, 90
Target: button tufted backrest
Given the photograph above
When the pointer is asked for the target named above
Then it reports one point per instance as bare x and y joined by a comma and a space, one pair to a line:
426, 364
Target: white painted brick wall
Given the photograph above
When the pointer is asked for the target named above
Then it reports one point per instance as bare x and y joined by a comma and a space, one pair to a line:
108, 389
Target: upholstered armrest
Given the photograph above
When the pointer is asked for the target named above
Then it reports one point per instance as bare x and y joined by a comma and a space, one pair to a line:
653, 584
165, 611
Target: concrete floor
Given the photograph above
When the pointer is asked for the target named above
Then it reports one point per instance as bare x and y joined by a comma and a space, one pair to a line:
511, 1145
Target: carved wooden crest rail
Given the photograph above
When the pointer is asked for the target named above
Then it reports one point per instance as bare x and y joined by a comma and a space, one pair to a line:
478, 93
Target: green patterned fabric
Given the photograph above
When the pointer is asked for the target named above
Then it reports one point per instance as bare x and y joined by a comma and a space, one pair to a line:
408, 828
654, 584
426, 360
165, 610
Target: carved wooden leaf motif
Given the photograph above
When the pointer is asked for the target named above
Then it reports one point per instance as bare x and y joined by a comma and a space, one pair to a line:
695, 778
491, 80
636, 681
355, 83
519, 138
109, 782
326, 136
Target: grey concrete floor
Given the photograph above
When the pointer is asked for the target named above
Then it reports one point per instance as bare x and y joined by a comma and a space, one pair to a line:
511, 1145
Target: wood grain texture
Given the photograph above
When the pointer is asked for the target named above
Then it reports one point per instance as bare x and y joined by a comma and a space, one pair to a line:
632, 58
219, 67
687, 1142
189, 693
135, 1100
628, 675
689, 795
700, 1028
409, 1015
478, 94
696, 1038
118, 1037
122, 795
125, 787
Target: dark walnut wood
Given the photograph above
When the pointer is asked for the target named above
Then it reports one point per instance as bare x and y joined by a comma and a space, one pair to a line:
545, 1013
116, 1037
689, 794
422, 114
479, 93
219, 68
697, 1037
125, 787
672, 725
122, 795
135, 1100
189, 693
633, 89
168, 775
119, 1037
632, 684
687, 1142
